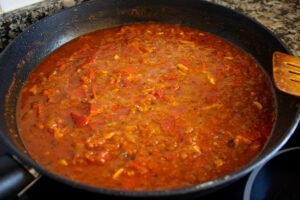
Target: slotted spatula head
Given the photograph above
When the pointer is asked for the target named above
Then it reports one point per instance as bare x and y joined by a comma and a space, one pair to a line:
286, 72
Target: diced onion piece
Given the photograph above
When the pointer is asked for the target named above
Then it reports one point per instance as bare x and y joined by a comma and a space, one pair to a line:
211, 79
212, 106
116, 57
57, 133
258, 105
33, 90
196, 148
110, 135
187, 42
182, 67
238, 139
189, 130
130, 173
63, 162
219, 162
118, 173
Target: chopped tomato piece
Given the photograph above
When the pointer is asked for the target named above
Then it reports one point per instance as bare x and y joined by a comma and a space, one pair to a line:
85, 79
79, 120
202, 66
78, 93
92, 75
170, 156
170, 76
168, 125
94, 91
40, 111
133, 49
186, 62
91, 58
159, 93
95, 108
128, 69
227, 68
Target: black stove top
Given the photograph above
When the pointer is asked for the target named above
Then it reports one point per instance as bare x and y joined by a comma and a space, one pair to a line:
46, 188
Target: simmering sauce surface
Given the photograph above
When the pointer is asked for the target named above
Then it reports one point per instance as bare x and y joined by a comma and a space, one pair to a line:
146, 107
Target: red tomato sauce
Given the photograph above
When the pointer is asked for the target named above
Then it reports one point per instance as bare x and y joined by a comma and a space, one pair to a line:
146, 107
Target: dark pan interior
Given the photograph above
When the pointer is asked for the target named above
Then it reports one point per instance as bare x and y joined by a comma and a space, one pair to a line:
20, 58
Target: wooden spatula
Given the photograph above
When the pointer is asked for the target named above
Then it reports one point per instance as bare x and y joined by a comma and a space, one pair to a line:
286, 71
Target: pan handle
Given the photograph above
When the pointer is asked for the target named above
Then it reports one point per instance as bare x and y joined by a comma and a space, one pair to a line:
14, 178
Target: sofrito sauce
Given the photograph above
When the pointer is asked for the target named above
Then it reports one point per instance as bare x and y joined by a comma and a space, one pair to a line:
146, 107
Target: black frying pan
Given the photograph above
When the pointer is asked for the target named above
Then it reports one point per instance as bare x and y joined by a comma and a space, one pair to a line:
20, 58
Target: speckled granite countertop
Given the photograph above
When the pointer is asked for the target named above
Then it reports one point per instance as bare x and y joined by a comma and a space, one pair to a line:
280, 16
